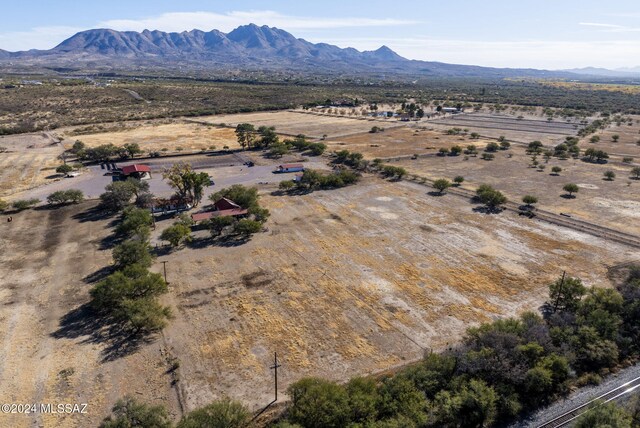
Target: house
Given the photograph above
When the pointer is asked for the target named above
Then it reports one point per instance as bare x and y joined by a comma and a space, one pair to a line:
173, 205
141, 172
452, 110
290, 167
221, 208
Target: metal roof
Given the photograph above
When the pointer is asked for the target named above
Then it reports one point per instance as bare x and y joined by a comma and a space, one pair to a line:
130, 169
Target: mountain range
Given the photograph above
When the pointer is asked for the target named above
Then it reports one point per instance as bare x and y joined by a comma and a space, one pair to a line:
246, 47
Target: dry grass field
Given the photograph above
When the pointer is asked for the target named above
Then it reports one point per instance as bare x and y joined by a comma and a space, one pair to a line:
627, 144
358, 280
159, 135
514, 129
402, 141
48, 352
344, 282
610, 203
298, 122
28, 161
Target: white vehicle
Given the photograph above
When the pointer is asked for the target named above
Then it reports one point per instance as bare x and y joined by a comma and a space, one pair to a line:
73, 174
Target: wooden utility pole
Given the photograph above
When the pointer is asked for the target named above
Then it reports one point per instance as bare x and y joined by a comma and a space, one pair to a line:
164, 266
555, 307
274, 367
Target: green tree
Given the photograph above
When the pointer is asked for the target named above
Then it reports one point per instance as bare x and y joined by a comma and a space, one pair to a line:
278, 150
246, 197
441, 185
635, 172
455, 150
133, 282
458, 180
176, 234
615, 138
246, 227
489, 196
64, 169
556, 170
218, 224
605, 415
363, 399
23, 204
317, 148
566, 294
245, 132
286, 185
135, 222
268, 136
117, 195
529, 200
132, 252
609, 175
132, 149
317, 403
143, 315
571, 188
65, 196
223, 413
188, 184
129, 413
4, 205
492, 147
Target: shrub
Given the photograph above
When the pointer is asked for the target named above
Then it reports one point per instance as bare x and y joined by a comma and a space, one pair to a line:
317, 403
128, 412
64, 169
441, 185
23, 204
224, 413
458, 180
246, 227
176, 234
132, 252
65, 196
571, 188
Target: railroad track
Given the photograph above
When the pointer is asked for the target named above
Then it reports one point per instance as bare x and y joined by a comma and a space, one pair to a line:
564, 221
614, 394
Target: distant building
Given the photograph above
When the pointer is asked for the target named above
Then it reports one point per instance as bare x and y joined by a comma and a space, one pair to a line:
450, 110
290, 167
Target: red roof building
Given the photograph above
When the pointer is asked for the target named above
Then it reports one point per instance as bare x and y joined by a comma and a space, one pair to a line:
222, 208
137, 170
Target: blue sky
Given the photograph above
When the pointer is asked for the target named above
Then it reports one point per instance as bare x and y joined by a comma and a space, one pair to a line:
549, 34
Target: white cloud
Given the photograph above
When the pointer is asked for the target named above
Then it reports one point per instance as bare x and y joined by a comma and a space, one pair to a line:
515, 54
597, 24
612, 28
36, 38
180, 21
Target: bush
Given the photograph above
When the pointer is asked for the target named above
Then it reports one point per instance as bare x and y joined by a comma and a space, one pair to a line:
64, 169
3, 205
65, 196
317, 148
441, 184
246, 227
489, 196
492, 147
317, 403
220, 414
571, 188
128, 412
176, 234
458, 180
132, 252
23, 204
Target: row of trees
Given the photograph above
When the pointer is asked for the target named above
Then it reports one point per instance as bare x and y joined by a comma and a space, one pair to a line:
500, 371
313, 180
128, 297
104, 152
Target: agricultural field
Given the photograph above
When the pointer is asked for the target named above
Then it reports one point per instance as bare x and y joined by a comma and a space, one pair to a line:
298, 122
166, 135
611, 203
514, 129
29, 161
408, 140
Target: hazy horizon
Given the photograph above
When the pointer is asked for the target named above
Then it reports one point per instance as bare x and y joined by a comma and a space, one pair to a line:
529, 34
